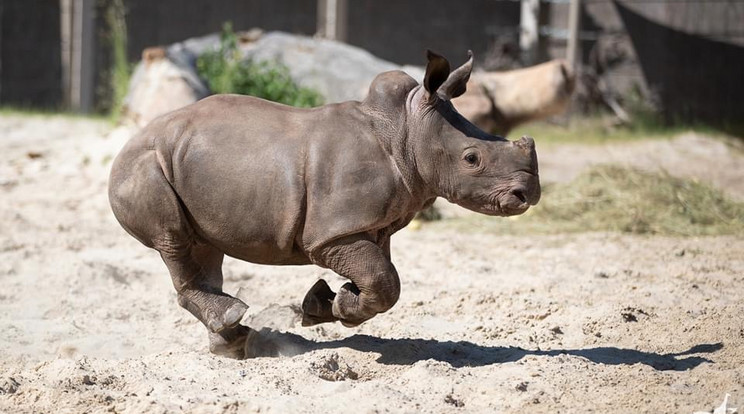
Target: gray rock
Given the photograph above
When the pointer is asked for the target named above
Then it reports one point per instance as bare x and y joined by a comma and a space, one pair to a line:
338, 71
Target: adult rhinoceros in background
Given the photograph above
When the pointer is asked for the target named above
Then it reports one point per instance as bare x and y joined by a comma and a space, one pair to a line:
277, 185
499, 101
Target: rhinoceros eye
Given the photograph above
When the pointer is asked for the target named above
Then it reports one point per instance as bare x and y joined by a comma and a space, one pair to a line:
471, 158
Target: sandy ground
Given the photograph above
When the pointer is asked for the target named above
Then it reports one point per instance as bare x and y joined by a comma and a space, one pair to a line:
547, 324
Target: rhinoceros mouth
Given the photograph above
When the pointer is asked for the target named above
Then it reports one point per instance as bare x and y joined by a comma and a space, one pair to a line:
515, 211
514, 202
502, 206
504, 211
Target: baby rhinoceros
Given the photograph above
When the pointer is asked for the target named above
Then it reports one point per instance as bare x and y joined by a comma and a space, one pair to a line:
276, 185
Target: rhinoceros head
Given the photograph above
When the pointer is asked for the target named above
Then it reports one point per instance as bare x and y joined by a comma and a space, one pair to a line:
477, 170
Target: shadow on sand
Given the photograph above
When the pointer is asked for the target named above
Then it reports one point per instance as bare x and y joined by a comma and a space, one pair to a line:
269, 342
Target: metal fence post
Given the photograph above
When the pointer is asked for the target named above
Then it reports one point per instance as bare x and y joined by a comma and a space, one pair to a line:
573, 32
529, 31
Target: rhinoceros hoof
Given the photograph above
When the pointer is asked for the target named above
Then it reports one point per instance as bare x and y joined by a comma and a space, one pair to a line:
229, 319
235, 313
317, 305
229, 342
350, 324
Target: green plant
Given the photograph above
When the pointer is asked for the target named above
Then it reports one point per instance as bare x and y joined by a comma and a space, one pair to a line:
121, 68
226, 72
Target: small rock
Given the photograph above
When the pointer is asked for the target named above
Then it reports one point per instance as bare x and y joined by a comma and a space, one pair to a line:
450, 399
9, 386
522, 386
88, 381
631, 314
332, 368
629, 317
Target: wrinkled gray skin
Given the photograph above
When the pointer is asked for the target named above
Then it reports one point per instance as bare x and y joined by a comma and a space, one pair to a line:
277, 185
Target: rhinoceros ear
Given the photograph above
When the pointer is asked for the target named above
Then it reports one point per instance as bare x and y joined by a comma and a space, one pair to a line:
455, 84
437, 71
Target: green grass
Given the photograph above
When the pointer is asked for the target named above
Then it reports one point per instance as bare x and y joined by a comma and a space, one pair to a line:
49, 113
121, 68
617, 199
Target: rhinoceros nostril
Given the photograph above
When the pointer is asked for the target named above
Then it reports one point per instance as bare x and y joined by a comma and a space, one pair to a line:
518, 193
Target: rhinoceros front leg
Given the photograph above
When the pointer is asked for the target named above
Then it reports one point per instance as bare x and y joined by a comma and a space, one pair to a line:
374, 286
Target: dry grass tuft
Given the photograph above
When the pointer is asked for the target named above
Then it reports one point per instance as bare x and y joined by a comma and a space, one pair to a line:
614, 198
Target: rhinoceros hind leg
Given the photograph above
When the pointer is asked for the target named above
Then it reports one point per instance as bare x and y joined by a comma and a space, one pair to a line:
196, 270
317, 305
145, 204
216, 310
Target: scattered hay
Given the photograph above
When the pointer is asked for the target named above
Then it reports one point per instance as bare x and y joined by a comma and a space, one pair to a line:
614, 198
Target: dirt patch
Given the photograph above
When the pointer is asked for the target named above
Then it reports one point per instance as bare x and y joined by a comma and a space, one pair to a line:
581, 322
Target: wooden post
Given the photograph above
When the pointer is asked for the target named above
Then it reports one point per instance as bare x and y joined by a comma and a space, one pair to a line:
573, 32
77, 44
65, 25
342, 19
1, 53
529, 31
332, 19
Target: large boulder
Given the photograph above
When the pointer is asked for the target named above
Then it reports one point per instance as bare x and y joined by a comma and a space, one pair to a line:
159, 85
